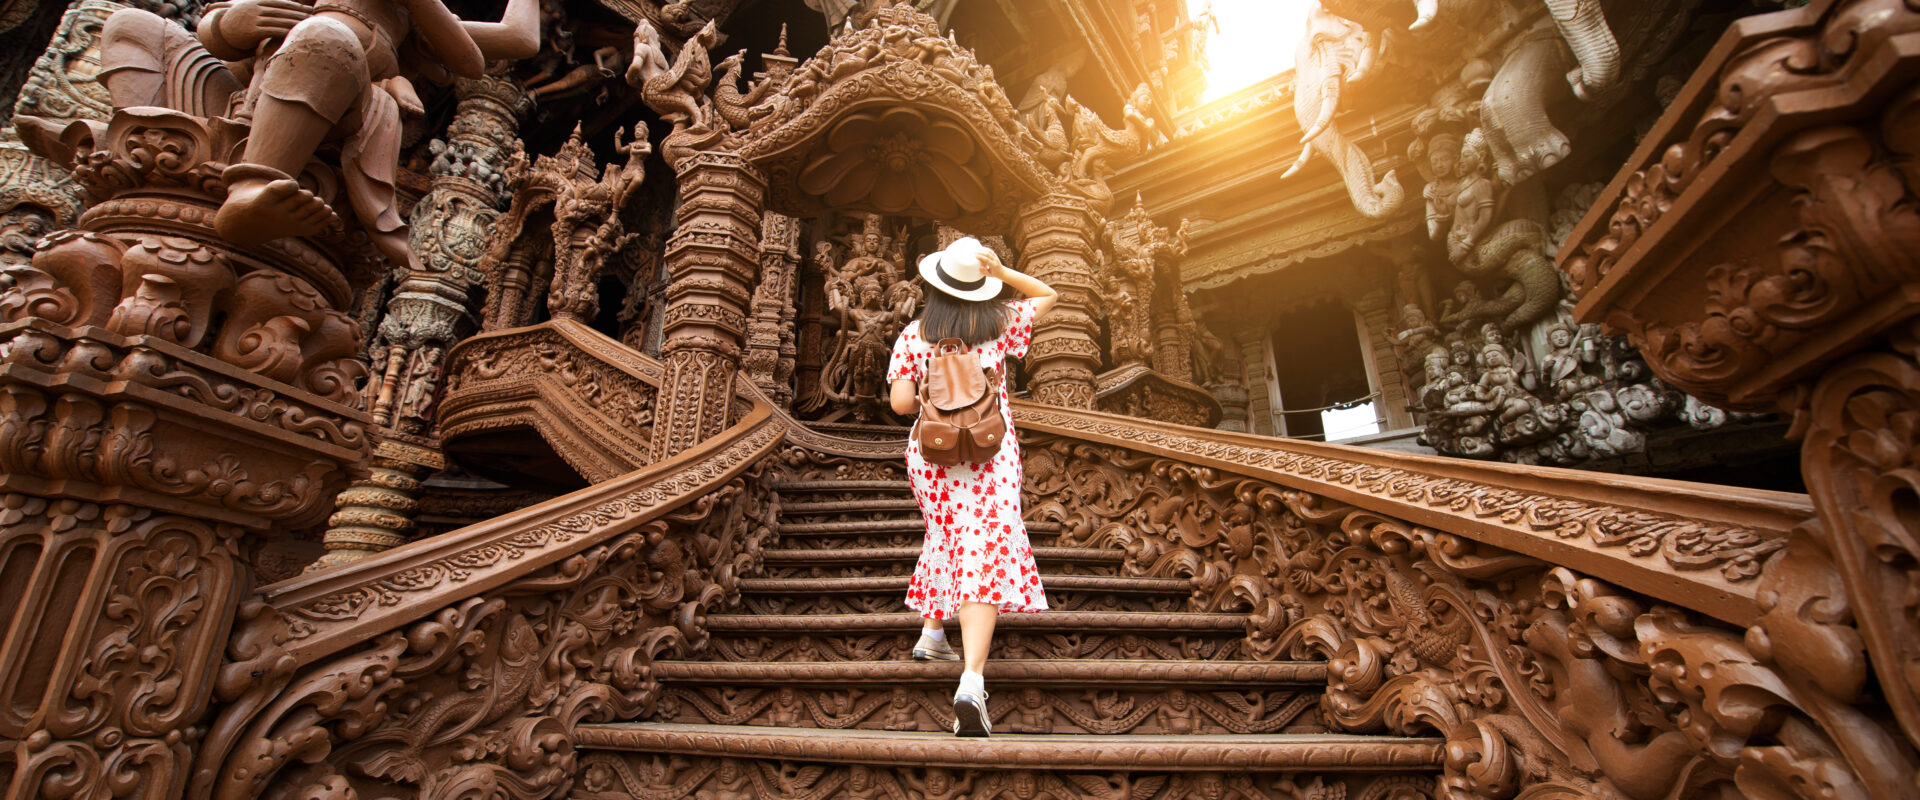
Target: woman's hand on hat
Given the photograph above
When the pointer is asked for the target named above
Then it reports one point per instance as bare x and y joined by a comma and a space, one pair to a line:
990, 265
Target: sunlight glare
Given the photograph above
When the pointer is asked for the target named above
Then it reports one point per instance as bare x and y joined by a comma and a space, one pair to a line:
1255, 40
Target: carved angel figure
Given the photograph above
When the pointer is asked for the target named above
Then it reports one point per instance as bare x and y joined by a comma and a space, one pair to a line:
1143, 252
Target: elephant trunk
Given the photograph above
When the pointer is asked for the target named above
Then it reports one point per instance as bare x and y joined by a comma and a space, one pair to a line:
1584, 26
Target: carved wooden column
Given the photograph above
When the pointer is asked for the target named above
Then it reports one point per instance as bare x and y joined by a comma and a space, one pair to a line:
712, 257
770, 335
38, 197
1376, 318
1056, 235
163, 396
427, 314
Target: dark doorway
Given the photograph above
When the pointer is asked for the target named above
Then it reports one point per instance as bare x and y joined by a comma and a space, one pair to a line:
1317, 359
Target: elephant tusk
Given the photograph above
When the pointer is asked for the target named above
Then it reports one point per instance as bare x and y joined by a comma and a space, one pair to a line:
1306, 153
1329, 103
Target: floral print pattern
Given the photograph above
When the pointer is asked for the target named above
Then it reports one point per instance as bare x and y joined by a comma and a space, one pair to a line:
976, 547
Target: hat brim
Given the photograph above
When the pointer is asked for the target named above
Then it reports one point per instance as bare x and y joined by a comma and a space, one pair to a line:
930, 272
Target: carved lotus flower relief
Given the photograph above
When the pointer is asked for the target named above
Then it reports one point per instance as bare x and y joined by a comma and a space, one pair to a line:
897, 160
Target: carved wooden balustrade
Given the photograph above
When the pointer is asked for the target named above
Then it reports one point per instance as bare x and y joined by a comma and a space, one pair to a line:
1759, 249
1570, 634
590, 398
460, 665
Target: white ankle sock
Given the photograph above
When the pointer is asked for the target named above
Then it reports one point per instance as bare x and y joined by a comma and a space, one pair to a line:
973, 682
936, 634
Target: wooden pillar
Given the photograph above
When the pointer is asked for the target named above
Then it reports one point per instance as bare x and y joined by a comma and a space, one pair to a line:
1056, 236
712, 261
427, 315
1373, 314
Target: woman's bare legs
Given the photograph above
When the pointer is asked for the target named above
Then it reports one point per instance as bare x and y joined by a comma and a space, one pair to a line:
970, 701
976, 633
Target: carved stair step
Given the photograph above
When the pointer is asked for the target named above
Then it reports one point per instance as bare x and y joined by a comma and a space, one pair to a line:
1076, 555
898, 583
1031, 696
884, 594
1064, 621
1115, 674
899, 487
861, 506
901, 754
882, 541
1109, 635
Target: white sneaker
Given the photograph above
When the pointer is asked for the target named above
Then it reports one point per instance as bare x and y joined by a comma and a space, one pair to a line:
970, 714
931, 649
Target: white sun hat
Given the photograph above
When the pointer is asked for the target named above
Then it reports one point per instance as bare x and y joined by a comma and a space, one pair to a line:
958, 272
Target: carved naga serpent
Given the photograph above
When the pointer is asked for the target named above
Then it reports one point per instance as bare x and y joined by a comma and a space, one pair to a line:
1517, 251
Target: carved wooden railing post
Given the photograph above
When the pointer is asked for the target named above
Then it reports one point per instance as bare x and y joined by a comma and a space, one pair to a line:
1056, 235
428, 314
712, 259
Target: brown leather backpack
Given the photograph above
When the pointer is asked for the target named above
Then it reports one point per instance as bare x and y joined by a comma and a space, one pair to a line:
960, 418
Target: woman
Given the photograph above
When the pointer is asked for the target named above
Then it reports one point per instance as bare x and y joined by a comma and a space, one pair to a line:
975, 561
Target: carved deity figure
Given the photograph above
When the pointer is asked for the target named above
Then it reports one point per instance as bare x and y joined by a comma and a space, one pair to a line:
940, 784
900, 710
728, 783
1143, 254
854, 373
1472, 200
340, 71
874, 300
1443, 182
1177, 713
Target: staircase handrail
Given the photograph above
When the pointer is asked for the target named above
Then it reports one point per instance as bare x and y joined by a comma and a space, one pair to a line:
331, 609
1691, 544
325, 662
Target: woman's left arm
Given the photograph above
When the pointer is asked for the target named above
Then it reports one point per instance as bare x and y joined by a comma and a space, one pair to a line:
904, 397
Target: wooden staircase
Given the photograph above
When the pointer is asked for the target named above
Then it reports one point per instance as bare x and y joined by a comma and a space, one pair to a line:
806, 689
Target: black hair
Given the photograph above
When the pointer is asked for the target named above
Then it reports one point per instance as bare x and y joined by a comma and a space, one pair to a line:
975, 322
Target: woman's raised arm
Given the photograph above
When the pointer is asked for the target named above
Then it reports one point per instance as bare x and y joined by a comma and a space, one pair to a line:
1043, 296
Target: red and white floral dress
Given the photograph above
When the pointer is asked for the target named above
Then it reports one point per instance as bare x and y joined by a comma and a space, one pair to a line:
976, 548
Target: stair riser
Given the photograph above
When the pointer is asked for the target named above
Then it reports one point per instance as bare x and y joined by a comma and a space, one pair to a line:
870, 540
883, 602
1014, 709
623, 776
880, 646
